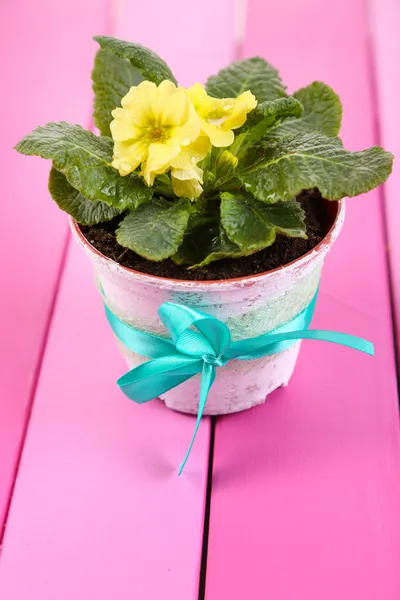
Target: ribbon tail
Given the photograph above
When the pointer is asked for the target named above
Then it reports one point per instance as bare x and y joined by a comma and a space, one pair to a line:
157, 376
271, 343
207, 379
343, 339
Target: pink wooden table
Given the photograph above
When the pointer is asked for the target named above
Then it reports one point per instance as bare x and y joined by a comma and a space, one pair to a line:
298, 498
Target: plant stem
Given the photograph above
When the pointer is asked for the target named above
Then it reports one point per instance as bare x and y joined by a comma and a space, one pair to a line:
121, 256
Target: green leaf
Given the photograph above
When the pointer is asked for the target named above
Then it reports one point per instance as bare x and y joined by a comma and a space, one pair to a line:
314, 161
271, 113
205, 239
155, 230
163, 186
86, 212
253, 225
85, 160
147, 62
112, 78
265, 116
322, 112
253, 74
221, 247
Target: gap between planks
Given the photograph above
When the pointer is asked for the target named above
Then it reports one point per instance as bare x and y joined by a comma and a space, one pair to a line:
371, 46
207, 511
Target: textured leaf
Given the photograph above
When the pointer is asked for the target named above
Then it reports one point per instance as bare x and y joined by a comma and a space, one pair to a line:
322, 112
147, 62
85, 160
271, 112
155, 230
112, 78
202, 228
253, 225
315, 161
221, 247
253, 74
86, 212
205, 239
265, 116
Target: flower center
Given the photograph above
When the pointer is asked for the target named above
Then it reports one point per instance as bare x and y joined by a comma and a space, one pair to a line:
217, 116
157, 135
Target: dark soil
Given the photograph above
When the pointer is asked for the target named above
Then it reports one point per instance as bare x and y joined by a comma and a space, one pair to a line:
319, 218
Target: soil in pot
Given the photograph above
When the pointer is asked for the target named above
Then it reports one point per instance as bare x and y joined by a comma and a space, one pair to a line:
285, 250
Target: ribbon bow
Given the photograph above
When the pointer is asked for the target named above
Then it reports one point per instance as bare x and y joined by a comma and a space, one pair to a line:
201, 343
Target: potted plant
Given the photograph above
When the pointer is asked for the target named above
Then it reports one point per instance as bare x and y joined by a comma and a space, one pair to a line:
223, 199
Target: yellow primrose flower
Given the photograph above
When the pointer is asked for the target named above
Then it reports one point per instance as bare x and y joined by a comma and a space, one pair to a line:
219, 116
154, 125
185, 162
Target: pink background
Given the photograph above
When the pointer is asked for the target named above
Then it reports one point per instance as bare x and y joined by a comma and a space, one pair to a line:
303, 494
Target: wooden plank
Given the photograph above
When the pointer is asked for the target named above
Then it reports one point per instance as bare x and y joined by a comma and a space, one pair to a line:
98, 510
44, 77
306, 488
384, 21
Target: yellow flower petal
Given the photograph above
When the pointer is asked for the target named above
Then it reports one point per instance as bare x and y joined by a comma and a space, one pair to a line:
128, 156
245, 103
171, 105
220, 115
192, 154
140, 103
148, 174
200, 148
123, 128
160, 156
158, 161
218, 136
187, 132
145, 90
201, 101
186, 188
192, 172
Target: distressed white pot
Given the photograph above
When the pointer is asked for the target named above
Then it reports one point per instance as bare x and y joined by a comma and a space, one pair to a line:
249, 306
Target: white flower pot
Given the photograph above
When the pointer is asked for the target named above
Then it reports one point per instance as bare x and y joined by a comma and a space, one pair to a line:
249, 306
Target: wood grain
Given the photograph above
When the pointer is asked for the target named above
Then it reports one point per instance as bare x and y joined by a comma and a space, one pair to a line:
47, 54
98, 510
384, 19
306, 488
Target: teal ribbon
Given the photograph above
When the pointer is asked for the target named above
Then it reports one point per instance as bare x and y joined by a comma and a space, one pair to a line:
200, 344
